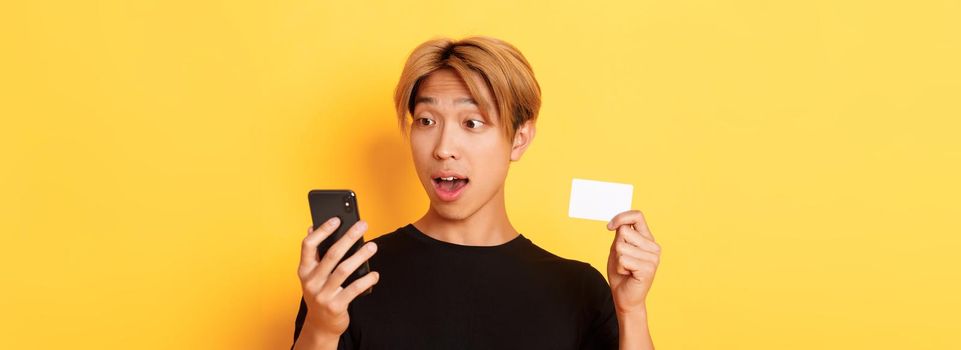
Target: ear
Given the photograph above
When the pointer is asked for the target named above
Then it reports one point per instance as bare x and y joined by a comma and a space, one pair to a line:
522, 139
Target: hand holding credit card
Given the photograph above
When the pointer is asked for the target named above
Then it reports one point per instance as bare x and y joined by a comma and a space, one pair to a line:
634, 254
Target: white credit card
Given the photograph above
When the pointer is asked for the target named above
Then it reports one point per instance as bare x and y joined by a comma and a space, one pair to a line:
598, 200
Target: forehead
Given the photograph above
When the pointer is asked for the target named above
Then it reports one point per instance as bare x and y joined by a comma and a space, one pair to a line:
443, 81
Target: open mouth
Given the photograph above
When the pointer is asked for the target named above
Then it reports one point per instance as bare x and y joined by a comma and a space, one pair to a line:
449, 188
450, 183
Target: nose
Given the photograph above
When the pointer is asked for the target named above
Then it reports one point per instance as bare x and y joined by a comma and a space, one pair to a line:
446, 146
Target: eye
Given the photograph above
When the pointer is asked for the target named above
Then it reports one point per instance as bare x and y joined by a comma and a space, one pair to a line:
424, 121
475, 122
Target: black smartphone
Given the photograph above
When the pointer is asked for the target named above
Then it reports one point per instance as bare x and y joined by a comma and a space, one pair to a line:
325, 204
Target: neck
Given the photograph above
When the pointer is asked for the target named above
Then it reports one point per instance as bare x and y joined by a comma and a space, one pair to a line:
488, 226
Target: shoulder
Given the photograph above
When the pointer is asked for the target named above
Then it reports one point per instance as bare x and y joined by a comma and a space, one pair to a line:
389, 237
583, 272
394, 245
399, 237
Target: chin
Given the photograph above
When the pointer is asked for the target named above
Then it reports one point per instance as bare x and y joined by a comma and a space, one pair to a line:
452, 212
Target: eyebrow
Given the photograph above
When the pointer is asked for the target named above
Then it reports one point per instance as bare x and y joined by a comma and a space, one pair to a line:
430, 100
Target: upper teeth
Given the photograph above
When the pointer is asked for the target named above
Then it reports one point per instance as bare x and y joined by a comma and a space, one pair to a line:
451, 178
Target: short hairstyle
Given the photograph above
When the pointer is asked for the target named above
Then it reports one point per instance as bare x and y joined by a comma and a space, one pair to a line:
504, 69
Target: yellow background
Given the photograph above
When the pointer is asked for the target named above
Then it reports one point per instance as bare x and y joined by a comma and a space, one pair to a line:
798, 161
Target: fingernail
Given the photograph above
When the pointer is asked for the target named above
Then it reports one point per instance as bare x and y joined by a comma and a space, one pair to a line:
372, 246
333, 221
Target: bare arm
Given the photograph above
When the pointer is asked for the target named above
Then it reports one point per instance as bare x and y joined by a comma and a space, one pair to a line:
633, 331
312, 338
631, 266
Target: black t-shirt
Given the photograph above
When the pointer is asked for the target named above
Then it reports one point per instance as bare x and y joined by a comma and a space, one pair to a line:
439, 295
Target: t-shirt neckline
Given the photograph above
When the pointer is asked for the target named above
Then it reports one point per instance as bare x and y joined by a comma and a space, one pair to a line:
416, 233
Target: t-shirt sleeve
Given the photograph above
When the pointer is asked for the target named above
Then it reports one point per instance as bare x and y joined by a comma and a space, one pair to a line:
345, 342
602, 331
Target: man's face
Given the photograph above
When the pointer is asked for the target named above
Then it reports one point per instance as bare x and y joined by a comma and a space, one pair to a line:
449, 137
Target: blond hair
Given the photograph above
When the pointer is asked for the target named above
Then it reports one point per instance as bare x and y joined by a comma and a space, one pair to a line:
508, 75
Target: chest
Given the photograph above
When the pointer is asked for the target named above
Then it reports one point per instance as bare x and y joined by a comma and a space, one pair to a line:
469, 305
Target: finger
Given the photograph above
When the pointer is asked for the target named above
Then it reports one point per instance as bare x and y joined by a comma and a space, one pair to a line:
621, 248
308, 250
639, 269
340, 248
627, 234
348, 266
625, 217
346, 295
641, 227
633, 218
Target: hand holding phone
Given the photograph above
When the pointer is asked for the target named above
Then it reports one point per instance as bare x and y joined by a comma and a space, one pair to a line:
333, 265
325, 204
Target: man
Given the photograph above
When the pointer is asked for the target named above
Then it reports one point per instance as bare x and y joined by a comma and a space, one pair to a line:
461, 277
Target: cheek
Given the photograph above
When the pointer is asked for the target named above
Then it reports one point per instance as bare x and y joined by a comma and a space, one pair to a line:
422, 153
419, 148
493, 160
